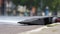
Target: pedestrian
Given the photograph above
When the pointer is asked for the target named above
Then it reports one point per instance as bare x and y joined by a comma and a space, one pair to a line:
47, 11
9, 7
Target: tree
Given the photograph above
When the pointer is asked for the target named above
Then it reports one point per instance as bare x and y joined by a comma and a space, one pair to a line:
26, 2
19, 2
55, 5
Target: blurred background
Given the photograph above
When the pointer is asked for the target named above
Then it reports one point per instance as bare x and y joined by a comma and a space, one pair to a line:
29, 7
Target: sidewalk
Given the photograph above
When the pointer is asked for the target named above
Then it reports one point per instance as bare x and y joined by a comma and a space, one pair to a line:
53, 29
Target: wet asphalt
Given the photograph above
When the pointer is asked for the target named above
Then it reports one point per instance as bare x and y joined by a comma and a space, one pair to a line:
15, 29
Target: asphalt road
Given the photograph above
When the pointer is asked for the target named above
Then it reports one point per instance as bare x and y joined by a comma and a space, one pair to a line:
15, 29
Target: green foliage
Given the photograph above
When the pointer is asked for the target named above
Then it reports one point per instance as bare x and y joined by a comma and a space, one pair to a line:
53, 4
27, 2
17, 2
47, 3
